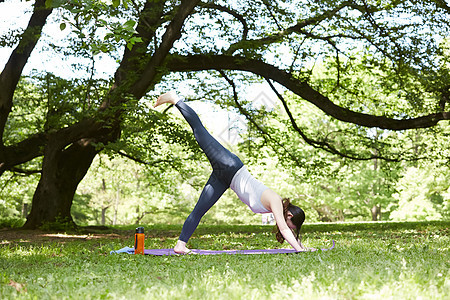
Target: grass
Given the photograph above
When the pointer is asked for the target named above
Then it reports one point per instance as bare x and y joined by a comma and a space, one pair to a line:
370, 261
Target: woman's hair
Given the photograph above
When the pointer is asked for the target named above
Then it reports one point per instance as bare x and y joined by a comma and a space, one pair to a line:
298, 217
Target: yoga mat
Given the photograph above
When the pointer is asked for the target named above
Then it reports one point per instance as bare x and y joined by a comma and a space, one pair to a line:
163, 252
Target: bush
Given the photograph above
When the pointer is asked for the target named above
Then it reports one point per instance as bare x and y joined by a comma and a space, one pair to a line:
11, 222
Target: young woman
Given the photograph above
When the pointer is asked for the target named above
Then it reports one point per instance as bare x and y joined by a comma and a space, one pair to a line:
230, 172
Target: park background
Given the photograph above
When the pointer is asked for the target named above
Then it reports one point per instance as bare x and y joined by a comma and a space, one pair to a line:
154, 172
342, 106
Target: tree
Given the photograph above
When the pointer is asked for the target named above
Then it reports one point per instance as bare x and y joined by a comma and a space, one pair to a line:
275, 41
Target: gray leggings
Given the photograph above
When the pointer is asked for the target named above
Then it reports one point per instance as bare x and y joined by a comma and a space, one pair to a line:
224, 163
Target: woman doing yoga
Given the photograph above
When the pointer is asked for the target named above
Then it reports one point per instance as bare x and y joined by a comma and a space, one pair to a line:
230, 172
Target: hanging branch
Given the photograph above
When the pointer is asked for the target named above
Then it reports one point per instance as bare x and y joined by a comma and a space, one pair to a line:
228, 10
302, 89
242, 110
325, 145
148, 163
315, 143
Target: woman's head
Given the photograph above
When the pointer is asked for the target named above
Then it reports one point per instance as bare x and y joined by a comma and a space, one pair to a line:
294, 216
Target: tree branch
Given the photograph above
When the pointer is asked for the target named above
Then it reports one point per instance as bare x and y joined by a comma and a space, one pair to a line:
26, 172
10, 75
235, 14
443, 5
320, 144
298, 28
104, 128
149, 19
300, 88
22, 152
138, 160
82, 132
172, 33
265, 134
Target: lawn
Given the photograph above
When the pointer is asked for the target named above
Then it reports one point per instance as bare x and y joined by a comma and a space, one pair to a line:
370, 261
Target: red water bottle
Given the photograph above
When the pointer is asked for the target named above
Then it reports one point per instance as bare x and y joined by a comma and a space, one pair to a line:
139, 240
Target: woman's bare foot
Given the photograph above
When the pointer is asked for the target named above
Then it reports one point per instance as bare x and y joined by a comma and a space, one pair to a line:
169, 97
181, 248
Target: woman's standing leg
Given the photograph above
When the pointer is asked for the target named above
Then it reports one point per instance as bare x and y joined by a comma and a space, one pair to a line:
212, 191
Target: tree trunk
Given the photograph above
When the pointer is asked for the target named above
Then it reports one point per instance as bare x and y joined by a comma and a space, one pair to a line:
104, 208
137, 213
12, 71
116, 206
104, 215
376, 212
24, 210
62, 171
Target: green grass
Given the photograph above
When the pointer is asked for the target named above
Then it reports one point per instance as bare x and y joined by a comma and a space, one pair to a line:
371, 260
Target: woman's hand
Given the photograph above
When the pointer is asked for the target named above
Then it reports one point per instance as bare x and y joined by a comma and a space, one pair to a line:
273, 202
305, 249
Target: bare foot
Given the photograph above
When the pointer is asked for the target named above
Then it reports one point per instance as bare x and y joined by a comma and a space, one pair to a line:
180, 248
169, 97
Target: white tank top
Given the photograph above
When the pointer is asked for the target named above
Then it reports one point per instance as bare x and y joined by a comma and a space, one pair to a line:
249, 190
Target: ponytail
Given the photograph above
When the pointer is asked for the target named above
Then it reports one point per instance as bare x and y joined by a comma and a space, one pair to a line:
297, 219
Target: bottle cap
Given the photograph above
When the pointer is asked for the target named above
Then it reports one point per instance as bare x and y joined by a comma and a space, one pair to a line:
140, 230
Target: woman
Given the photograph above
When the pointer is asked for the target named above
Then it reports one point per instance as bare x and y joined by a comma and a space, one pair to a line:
229, 171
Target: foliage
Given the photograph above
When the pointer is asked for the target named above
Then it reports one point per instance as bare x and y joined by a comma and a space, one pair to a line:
165, 185
60, 224
45, 102
338, 187
377, 64
401, 260
157, 194
11, 222
421, 195
14, 193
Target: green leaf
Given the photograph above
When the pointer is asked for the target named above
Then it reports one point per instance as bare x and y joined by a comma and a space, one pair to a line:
108, 36
115, 3
54, 3
129, 24
62, 26
48, 3
135, 40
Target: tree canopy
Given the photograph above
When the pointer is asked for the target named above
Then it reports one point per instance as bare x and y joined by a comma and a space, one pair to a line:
374, 69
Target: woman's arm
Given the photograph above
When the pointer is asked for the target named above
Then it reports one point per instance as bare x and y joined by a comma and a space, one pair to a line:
273, 200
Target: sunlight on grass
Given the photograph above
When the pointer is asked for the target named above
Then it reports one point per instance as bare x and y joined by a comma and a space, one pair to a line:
65, 235
368, 263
